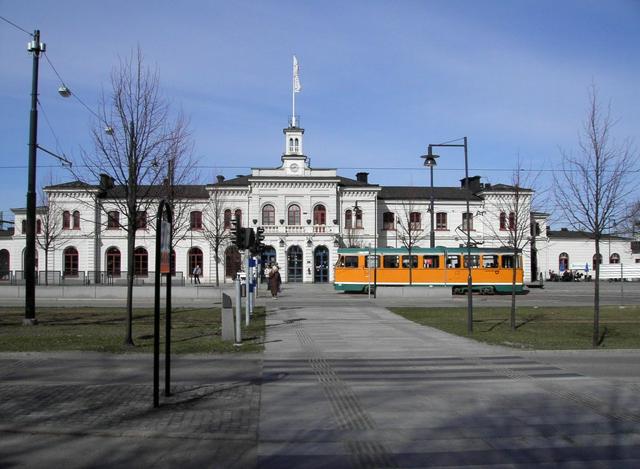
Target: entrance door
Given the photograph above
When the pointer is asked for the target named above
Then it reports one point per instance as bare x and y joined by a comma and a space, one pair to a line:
321, 265
294, 264
268, 257
4, 265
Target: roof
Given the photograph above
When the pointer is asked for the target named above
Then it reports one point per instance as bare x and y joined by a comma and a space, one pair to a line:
419, 250
244, 180
566, 234
77, 184
413, 192
503, 188
192, 191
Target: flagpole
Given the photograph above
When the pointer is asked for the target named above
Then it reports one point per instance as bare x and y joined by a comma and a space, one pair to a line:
293, 94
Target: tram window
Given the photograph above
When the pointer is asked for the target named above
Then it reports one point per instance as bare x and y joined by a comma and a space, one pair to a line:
475, 261
390, 262
490, 261
431, 262
373, 261
409, 262
453, 262
507, 262
351, 261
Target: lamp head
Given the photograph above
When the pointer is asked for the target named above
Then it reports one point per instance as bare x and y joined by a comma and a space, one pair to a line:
64, 91
430, 158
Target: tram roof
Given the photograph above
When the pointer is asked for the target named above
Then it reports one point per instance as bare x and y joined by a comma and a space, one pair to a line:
436, 250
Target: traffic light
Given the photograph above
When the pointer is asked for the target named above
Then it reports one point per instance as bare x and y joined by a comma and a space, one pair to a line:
249, 238
259, 244
236, 232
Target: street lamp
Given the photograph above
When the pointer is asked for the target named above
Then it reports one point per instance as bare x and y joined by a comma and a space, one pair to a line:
467, 228
430, 162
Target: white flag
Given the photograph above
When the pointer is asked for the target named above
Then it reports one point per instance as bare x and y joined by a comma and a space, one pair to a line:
296, 77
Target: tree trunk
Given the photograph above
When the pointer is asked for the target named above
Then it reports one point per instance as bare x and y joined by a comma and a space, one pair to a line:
46, 266
596, 297
513, 291
132, 223
217, 258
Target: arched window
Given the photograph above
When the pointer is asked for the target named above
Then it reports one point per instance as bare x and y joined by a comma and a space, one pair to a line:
196, 220
5, 265
76, 220
140, 262
388, 221
66, 220
268, 215
563, 261
296, 146
290, 145
38, 226
113, 262
195, 258
238, 216
614, 258
348, 220
293, 215
512, 221
70, 255
358, 214
227, 219
24, 226
597, 260
319, 215
503, 221
415, 221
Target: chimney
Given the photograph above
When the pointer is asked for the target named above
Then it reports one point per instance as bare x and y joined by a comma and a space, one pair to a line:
220, 178
106, 182
564, 229
362, 177
474, 183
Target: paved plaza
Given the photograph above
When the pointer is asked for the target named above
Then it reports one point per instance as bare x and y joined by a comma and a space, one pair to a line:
344, 383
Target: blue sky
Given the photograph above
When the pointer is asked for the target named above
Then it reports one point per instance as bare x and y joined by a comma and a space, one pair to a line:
381, 80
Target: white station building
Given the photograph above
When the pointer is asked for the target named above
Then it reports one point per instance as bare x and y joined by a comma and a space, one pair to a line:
307, 214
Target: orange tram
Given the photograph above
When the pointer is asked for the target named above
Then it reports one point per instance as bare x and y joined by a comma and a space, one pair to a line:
358, 270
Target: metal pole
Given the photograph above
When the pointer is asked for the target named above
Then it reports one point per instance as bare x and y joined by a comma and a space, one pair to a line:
238, 310
30, 250
432, 242
469, 279
156, 312
246, 290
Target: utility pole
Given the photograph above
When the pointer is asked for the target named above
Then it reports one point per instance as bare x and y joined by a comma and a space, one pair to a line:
35, 47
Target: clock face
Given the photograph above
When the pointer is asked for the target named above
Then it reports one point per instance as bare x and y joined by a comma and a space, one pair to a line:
294, 167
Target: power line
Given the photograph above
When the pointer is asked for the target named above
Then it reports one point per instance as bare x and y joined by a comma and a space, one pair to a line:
16, 26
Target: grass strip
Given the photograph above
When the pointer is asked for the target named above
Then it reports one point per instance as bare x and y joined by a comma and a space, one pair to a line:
194, 330
543, 328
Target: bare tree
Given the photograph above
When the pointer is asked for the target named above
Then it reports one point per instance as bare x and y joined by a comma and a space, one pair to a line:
214, 229
510, 225
49, 237
135, 149
410, 231
592, 186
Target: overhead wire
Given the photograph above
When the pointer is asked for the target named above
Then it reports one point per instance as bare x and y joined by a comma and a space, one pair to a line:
16, 26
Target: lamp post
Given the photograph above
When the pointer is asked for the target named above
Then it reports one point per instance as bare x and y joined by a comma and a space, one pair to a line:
430, 162
468, 225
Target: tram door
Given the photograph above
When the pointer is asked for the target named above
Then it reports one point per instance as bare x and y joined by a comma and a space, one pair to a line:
321, 265
294, 264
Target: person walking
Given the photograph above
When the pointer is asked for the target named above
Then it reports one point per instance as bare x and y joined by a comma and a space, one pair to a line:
267, 274
196, 274
274, 282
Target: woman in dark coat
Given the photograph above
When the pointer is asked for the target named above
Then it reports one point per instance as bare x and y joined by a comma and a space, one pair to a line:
274, 282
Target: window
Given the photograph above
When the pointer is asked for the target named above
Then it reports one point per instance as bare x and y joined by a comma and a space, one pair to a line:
614, 258
195, 259
66, 220
507, 262
196, 220
373, 261
351, 261
140, 262
38, 226
227, 219
490, 261
441, 221
268, 215
70, 262
512, 221
113, 220
388, 221
467, 221
296, 146
348, 220
24, 226
453, 261
319, 215
503, 221
238, 216
391, 262
563, 261
290, 145
293, 215
475, 261
409, 262
415, 220
358, 213
141, 220
113, 262
76, 220
597, 260
431, 262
